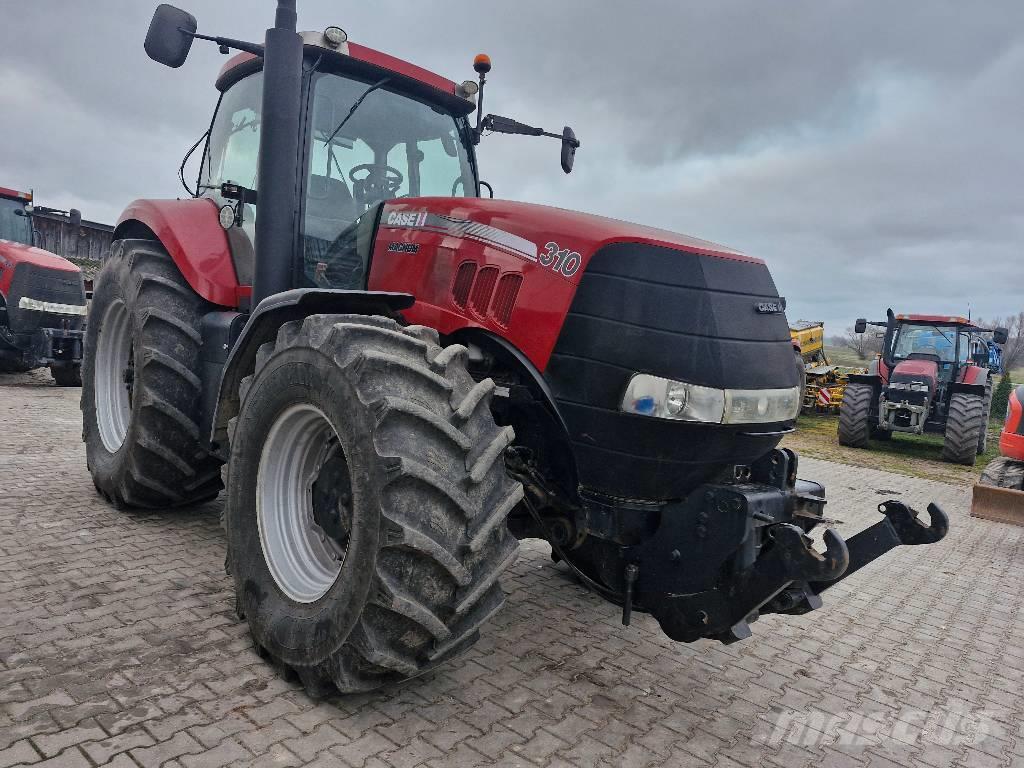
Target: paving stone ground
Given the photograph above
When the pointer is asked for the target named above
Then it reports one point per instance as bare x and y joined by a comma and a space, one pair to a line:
119, 646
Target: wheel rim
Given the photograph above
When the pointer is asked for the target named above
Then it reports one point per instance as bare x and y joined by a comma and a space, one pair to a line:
114, 376
303, 503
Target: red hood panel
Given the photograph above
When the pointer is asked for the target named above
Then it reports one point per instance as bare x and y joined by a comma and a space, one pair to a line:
927, 370
540, 224
16, 253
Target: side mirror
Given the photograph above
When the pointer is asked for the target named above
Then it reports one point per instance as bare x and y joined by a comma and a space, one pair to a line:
170, 35
860, 326
1000, 335
569, 146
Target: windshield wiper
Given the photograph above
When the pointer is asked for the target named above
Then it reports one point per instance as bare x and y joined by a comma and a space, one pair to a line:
355, 106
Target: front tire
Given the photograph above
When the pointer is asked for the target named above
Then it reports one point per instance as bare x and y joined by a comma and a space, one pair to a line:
366, 504
855, 415
141, 385
965, 422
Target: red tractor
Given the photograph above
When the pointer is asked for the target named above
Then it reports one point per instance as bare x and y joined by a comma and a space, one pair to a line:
42, 298
404, 378
932, 376
999, 495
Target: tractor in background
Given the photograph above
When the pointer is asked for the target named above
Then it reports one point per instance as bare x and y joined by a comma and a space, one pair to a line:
999, 495
405, 377
824, 384
42, 298
932, 376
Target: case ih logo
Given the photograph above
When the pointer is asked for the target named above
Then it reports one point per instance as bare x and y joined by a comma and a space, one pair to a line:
407, 218
770, 307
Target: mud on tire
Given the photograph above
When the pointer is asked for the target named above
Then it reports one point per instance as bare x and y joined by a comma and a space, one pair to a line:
161, 460
964, 424
855, 415
426, 538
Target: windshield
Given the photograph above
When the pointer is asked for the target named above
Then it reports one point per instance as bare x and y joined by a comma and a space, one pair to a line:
391, 146
16, 228
938, 341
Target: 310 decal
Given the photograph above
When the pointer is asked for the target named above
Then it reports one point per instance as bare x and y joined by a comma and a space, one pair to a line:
561, 260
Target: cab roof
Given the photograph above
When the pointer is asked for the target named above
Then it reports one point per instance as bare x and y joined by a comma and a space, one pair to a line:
364, 60
940, 319
15, 194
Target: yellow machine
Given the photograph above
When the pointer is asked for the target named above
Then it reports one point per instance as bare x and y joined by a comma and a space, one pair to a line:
824, 383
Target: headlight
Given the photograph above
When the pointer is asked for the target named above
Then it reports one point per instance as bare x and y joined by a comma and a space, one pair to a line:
666, 399
52, 307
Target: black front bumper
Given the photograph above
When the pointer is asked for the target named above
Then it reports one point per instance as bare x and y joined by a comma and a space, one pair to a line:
43, 346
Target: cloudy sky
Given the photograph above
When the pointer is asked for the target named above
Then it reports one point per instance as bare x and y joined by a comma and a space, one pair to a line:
871, 152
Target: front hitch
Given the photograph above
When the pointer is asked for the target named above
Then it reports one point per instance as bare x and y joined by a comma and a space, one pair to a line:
899, 526
789, 575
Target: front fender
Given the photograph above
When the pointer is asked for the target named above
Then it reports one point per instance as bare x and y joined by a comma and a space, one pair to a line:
195, 240
262, 326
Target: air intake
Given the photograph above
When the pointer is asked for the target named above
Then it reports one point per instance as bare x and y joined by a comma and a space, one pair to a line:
483, 287
463, 282
505, 297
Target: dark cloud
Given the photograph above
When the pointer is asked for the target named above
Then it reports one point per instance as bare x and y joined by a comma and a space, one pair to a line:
868, 150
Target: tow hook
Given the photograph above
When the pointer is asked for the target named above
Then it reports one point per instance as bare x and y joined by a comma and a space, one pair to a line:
900, 526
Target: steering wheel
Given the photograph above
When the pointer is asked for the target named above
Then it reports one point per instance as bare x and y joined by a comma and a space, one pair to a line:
380, 182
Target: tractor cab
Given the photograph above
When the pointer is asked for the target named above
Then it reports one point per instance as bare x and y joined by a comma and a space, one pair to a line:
15, 216
373, 128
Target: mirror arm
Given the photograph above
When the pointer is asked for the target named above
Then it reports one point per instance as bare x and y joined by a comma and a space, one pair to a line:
226, 42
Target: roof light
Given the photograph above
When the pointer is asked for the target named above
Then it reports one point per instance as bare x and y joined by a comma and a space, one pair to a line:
468, 89
335, 36
482, 63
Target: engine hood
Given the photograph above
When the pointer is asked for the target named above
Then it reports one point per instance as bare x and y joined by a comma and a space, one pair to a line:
12, 253
533, 226
926, 371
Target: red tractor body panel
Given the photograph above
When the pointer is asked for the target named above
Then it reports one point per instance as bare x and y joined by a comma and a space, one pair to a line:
12, 254
973, 374
508, 267
192, 234
1011, 441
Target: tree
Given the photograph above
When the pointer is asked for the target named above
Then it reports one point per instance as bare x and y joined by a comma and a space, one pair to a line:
863, 344
1001, 398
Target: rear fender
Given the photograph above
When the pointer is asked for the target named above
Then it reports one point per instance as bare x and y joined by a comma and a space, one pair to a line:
974, 374
191, 232
866, 378
261, 327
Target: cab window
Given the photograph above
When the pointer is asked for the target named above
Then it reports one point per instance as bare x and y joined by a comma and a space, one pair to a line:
391, 146
233, 149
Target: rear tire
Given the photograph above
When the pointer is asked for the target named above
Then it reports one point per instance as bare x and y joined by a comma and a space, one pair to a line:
1003, 472
983, 438
141, 383
855, 415
417, 497
964, 424
67, 375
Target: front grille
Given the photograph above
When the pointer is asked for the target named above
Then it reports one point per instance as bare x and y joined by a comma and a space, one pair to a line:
505, 297
54, 285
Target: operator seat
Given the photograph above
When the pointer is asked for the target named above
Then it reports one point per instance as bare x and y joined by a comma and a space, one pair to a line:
329, 207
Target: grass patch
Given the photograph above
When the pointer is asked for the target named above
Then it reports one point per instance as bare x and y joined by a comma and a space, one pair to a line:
846, 356
912, 455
